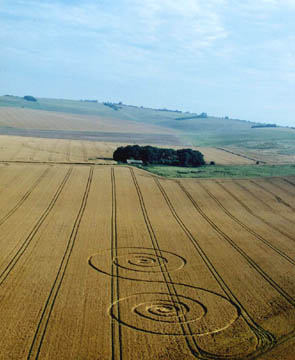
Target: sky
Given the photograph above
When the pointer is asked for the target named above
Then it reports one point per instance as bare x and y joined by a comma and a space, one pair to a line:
231, 58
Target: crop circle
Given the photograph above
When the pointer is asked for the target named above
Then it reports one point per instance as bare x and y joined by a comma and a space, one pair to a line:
134, 262
188, 311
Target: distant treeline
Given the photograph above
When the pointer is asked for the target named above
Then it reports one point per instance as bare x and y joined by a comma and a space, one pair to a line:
264, 126
89, 100
168, 110
30, 98
203, 115
153, 155
113, 106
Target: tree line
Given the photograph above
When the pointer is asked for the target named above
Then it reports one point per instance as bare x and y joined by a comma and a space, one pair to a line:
153, 155
264, 126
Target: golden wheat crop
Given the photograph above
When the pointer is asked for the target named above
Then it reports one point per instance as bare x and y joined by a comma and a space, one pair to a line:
106, 262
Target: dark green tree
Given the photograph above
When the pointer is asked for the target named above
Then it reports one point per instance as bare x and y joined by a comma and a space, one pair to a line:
152, 155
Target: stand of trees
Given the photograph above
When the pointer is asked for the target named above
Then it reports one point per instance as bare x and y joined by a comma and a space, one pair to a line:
30, 98
153, 155
112, 105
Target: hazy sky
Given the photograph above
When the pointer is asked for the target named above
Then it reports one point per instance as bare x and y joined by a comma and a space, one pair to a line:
223, 57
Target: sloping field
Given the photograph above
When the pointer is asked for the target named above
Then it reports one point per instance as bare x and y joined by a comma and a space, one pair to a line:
47, 120
221, 157
102, 262
84, 120
273, 155
18, 148
274, 146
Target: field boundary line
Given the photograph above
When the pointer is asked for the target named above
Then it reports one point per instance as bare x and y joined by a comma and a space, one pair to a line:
5, 273
40, 333
240, 155
25, 196
37, 162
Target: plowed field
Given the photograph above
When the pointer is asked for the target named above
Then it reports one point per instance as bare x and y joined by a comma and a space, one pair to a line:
106, 262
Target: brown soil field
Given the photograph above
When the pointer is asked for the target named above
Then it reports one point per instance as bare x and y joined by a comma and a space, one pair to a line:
106, 262
19, 148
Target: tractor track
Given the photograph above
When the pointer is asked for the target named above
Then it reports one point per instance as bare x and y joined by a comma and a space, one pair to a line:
273, 194
245, 227
265, 339
24, 198
116, 330
40, 332
248, 259
250, 211
18, 254
286, 191
185, 328
288, 181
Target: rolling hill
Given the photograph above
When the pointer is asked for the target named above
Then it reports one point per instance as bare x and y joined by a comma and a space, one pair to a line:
105, 121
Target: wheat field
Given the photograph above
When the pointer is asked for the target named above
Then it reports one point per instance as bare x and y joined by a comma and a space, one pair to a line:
34, 149
106, 262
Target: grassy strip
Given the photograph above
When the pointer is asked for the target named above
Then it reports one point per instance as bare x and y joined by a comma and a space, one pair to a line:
219, 171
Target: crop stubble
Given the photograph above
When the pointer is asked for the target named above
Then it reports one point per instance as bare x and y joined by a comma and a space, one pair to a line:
111, 263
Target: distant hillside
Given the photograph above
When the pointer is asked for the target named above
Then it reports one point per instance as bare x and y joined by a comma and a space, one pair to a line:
190, 128
86, 107
164, 117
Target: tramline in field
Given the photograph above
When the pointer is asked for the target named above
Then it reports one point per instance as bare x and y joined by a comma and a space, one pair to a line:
113, 263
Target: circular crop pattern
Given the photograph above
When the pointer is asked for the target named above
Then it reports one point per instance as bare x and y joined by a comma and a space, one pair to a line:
145, 262
132, 261
195, 313
169, 308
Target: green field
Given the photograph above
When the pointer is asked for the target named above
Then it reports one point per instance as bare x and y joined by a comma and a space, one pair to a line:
218, 171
